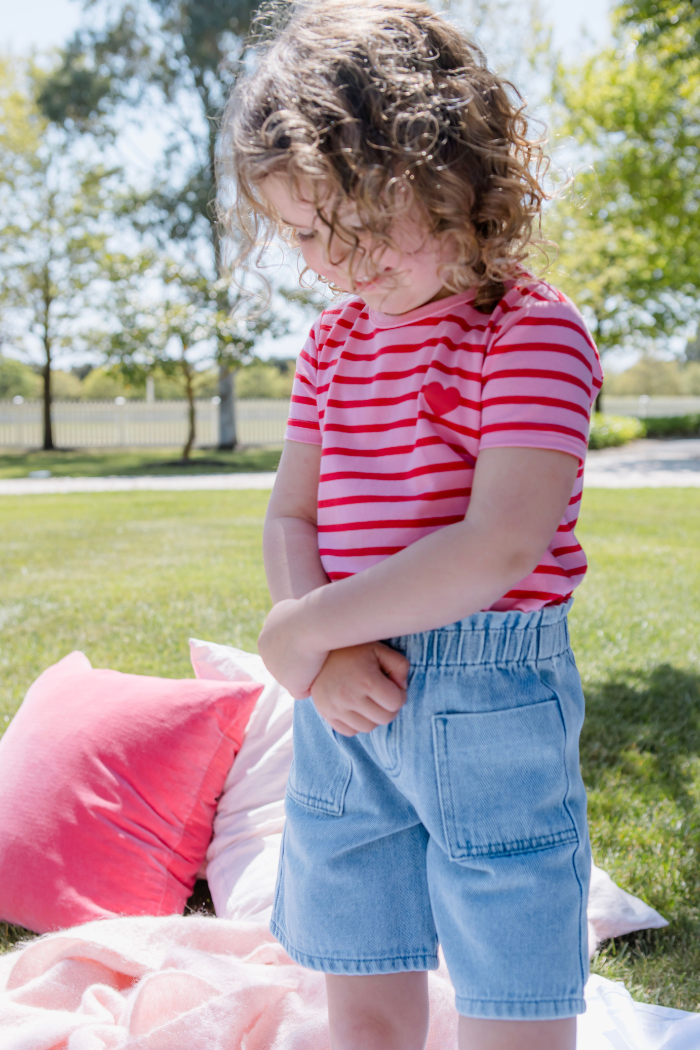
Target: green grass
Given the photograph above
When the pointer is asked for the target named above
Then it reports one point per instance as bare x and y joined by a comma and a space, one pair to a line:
95, 463
128, 577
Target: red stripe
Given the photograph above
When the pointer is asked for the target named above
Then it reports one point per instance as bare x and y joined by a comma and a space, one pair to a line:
559, 551
441, 421
374, 402
369, 428
536, 373
554, 599
553, 428
551, 570
409, 348
554, 348
345, 501
398, 523
431, 468
553, 402
393, 450
304, 424
358, 552
558, 322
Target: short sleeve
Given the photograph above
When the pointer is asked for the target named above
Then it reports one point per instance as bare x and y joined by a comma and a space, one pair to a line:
303, 422
541, 376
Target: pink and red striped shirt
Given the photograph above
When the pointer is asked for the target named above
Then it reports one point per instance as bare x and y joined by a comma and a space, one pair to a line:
402, 406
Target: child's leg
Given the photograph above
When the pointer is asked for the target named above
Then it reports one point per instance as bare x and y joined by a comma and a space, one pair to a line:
382, 1012
477, 1034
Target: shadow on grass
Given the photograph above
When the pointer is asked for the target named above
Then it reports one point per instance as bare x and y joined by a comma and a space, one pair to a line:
654, 715
11, 935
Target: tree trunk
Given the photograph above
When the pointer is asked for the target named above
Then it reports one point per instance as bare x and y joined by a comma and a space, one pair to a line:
189, 390
47, 299
227, 408
598, 404
46, 374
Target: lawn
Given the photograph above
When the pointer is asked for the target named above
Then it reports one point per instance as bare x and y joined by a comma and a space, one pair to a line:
128, 577
100, 463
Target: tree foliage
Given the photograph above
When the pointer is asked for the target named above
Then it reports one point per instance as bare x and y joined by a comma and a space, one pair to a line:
629, 233
57, 216
179, 55
191, 324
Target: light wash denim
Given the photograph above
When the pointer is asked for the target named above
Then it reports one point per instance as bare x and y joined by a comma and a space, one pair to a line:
462, 822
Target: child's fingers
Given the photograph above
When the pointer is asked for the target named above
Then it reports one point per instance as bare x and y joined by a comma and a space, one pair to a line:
393, 664
359, 721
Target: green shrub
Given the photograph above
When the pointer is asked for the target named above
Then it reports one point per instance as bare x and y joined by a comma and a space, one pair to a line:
17, 379
263, 380
609, 431
673, 426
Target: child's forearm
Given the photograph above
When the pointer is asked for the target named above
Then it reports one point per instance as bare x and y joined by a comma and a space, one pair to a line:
441, 578
292, 562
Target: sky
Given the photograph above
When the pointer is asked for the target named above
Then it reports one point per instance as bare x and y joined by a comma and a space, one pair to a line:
47, 23
44, 24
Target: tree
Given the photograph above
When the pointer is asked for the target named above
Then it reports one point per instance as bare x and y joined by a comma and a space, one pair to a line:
181, 328
629, 235
53, 254
674, 24
183, 53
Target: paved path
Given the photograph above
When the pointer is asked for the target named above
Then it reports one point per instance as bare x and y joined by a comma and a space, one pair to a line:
155, 483
641, 464
645, 464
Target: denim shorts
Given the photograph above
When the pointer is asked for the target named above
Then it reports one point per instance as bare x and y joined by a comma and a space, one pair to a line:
461, 823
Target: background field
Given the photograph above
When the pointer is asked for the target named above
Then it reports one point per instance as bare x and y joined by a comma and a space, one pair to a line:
128, 577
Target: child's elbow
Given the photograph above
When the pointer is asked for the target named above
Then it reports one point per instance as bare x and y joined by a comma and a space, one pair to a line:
521, 560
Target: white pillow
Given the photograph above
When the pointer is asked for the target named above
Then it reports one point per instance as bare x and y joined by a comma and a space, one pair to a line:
612, 912
241, 865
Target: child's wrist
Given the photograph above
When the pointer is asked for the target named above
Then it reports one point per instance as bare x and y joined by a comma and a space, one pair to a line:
311, 621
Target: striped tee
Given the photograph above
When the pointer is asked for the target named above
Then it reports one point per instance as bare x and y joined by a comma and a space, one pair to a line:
402, 406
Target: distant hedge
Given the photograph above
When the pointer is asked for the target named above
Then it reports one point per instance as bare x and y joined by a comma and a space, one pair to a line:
608, 431
673, 426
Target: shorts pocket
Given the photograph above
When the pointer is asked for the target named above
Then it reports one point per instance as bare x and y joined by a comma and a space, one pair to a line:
502, 780
321, 770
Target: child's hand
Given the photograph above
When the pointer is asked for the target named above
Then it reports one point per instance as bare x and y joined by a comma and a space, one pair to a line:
361, 687
292, 661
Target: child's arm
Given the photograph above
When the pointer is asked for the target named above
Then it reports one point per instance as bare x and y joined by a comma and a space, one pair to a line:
290, 540
373, 676
519, 496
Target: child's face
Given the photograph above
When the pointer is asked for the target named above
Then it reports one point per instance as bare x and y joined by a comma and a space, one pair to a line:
395, 281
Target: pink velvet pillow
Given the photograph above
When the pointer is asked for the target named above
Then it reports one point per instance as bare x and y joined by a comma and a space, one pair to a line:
108, 788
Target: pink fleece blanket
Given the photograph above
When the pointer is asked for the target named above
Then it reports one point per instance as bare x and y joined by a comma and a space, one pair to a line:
215, 984
173, 983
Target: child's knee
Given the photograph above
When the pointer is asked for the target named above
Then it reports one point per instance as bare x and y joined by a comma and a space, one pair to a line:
381, 1012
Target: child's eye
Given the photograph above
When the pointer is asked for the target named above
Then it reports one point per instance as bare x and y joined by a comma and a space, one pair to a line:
306, 236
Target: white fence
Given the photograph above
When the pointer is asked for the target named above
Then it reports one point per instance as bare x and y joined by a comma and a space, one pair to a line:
646, 407
138, 424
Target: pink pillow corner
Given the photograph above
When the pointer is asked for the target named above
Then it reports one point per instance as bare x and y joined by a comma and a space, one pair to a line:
108, 789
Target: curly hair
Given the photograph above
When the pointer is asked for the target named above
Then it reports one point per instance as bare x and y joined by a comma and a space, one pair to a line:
383, 102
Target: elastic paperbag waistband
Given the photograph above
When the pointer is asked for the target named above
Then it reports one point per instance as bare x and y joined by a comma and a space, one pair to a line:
491, 638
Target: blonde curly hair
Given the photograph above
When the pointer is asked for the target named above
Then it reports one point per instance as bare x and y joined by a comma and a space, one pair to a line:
379, 103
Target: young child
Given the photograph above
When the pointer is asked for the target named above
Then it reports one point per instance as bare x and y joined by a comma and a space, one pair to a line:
432, 475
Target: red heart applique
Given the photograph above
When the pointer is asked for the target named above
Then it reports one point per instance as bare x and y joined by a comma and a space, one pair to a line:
441, 399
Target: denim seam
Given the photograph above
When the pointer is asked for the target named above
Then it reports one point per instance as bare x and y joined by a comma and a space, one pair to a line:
578, 845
